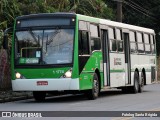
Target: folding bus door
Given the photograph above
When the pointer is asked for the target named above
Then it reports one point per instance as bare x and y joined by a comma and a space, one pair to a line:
127, 56
105, 54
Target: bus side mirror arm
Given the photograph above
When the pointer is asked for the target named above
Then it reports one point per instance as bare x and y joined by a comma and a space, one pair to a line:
5, 37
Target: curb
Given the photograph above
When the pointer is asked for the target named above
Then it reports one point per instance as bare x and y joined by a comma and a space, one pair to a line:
156, 82
14, 99
9, 96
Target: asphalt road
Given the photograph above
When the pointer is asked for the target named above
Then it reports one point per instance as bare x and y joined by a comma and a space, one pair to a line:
115, 100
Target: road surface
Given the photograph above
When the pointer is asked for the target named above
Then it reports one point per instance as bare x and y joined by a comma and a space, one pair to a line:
115, 100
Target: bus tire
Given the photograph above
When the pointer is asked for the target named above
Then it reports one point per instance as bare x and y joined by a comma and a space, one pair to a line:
141, 85
93, 93
39, 96
136, 83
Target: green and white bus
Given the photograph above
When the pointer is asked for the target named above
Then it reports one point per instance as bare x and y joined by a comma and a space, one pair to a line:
76, 53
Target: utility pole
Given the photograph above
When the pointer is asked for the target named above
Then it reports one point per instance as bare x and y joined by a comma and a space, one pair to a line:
119, 10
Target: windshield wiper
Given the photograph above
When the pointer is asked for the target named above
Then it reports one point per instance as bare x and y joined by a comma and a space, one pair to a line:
34, 36
52, 36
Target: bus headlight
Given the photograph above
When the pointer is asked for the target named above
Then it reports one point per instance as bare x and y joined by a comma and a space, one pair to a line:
19, 76
68, 74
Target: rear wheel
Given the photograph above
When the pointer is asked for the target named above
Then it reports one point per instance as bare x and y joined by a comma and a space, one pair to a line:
135, 88
39, 95
141, 85
94, 92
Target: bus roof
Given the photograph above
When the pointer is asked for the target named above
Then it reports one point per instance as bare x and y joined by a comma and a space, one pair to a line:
115, 24
126, 26
57, 14
91, 19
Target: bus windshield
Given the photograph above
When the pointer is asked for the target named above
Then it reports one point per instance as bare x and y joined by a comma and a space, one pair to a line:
44, 46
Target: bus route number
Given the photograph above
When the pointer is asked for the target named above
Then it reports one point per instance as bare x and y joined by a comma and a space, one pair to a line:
58, 71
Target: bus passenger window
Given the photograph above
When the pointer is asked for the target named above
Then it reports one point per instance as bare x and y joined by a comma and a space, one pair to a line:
112, 37
113, 45
147, 44
111, 33
95, 39
118, 34
119, 40
140, 43
132, 38
95, 44
83, 43
152, 44
94, 31
120, 45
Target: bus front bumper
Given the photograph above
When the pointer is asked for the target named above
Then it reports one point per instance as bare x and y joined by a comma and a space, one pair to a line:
45, 84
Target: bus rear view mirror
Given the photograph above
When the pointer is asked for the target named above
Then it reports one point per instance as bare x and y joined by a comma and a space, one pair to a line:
5, 42
5, 37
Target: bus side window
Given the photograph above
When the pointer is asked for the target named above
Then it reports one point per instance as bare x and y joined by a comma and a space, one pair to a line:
95, 44
133, 44
112, 37
152, 43
95, 37
140, 42
147, 44
83, 43
119, 40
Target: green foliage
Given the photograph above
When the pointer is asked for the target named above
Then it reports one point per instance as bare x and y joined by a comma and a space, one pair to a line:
10, 9
146, 14
149, 19
96, 8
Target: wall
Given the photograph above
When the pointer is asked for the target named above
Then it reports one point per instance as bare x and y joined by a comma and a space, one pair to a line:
5, 73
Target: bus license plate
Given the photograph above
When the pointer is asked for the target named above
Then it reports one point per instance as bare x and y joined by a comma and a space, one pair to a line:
42, 83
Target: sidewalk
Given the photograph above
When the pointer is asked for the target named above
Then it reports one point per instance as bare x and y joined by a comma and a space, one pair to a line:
8, 96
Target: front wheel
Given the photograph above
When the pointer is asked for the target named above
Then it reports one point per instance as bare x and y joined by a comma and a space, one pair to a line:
94, 92
39, 96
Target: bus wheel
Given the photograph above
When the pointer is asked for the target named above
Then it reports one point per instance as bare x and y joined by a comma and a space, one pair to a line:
141, 85
94, 92
39, 95
136, 82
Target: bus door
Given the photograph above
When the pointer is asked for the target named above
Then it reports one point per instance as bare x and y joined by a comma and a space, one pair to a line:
105, 53
127, 56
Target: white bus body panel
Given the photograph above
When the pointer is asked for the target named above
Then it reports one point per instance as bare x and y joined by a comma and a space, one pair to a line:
137, 61
140, 62
53, 84
117, 70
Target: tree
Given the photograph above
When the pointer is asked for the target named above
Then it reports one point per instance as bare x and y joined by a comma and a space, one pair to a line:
10, 9
145, 13
96, 8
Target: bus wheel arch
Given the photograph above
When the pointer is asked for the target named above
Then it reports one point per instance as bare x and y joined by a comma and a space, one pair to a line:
144, 73
93, 93
99, 78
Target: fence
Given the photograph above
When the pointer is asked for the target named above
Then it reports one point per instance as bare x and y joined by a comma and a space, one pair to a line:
5, 72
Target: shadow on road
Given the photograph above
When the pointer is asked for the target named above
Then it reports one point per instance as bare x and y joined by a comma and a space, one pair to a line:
69, 98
